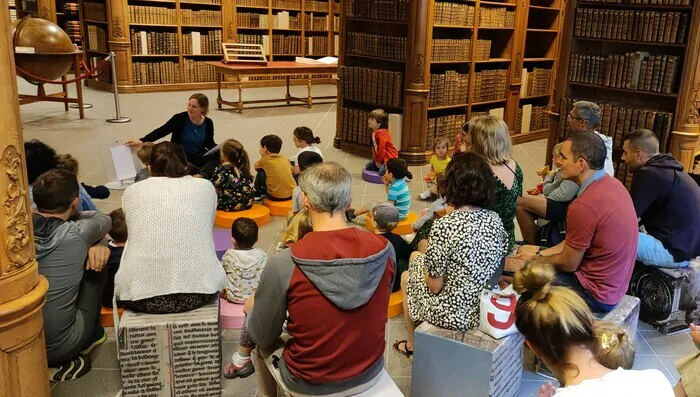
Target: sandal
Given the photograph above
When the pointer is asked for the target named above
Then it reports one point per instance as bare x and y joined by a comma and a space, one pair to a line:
232, 371
404, 351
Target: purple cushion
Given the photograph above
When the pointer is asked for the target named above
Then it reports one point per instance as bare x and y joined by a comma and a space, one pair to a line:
372, 176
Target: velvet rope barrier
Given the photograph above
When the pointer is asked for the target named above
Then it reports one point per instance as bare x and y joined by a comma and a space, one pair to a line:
99, 69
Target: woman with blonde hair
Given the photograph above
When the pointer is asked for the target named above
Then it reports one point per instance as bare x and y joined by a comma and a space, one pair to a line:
560, 329
489, 137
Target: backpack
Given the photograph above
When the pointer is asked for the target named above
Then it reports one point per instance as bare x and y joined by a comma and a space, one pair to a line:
551, 234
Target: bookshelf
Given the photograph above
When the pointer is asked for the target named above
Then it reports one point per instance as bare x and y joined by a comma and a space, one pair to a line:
454, 60
638, 61
162, 45
13, 10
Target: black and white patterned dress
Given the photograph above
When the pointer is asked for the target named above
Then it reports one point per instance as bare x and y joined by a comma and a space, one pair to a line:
465, 247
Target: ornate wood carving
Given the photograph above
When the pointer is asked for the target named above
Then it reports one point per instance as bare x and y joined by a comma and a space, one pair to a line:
518, 67
694, 111
117, 27
16, 228
418, 77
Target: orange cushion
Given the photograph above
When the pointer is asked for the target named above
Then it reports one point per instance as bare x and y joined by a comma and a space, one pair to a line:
107, 316
404, 227
258, 213
279, 208
395, 304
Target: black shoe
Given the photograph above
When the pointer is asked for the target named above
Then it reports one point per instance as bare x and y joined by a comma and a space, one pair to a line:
72, 370
409, 175
350, 215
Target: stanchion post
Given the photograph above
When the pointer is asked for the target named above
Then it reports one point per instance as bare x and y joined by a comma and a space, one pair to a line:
119, 118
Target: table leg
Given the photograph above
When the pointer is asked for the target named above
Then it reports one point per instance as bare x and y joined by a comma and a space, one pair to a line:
308, 99
219, 76
240, 93
65, 90
78, 89
288, 96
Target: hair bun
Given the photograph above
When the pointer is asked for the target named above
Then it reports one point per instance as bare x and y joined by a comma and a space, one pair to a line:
536, 279
317, 140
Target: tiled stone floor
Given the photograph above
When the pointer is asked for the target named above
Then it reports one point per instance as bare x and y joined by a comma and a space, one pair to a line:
67, 133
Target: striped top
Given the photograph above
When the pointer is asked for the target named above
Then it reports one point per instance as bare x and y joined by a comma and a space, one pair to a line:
399, 194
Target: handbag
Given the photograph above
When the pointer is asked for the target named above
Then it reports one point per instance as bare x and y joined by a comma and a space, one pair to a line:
497, 312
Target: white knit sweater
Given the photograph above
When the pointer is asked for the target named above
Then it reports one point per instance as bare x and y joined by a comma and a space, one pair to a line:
170, 248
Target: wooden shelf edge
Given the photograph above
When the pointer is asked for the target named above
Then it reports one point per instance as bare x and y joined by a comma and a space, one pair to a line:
376, 58
636, 6
489, 102
198, 3
535, 135
638, 92
135, 89
375, 20
461, 105
495, 3
629, 42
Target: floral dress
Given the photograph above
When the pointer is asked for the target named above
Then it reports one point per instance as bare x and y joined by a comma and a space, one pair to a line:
504, 202
235, 191
465, 247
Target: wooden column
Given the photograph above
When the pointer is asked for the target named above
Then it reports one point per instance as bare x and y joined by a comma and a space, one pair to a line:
23, 371
415, 122
119, 39
684, 145
47, 10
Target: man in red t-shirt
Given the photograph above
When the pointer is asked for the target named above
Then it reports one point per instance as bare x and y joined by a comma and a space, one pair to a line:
597, 257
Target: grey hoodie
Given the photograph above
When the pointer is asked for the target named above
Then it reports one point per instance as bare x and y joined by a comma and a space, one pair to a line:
61, 250
608, 156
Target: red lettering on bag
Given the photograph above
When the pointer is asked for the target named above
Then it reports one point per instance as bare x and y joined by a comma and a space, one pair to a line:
509, 308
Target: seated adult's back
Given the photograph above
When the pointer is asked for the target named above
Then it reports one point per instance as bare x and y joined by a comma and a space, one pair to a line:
170, 248
666, 199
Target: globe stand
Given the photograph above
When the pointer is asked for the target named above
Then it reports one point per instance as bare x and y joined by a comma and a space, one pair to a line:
62, 96
119, 118
85, 106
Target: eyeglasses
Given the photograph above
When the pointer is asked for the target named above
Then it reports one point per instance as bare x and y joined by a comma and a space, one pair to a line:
576, 117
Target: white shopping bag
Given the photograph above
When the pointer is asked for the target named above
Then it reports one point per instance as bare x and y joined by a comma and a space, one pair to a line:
497, 312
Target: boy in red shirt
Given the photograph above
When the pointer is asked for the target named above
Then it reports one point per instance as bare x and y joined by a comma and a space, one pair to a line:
383, 148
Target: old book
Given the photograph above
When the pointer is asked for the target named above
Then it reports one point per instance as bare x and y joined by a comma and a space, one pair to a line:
656, 73
639, 56
670, 73
620, 71
682, 27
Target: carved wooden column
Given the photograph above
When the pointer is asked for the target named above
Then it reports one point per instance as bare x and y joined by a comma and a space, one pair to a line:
23, 371
47, 10
415, 121
684, 145
516, 68
119, 39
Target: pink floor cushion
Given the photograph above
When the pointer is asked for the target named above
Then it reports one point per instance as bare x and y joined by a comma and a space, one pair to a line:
230, 315
372, 177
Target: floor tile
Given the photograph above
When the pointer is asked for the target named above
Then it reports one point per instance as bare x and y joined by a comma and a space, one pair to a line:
677, 345
105, 356
96, 383
398, 364
671, 368
642, 347
404, 384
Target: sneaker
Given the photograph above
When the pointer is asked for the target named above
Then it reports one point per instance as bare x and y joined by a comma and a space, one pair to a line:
99, 338
233, 371
72, 370
409, 175
350, 214
425, 195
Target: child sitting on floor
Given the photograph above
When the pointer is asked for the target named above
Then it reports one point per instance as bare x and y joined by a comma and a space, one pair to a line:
386, 217
554, 186
232, 178
243, 263
297, 227
397, 190
118, 234
305, 160
274, 177
305, 141
438, 164
144, 154
70, 163
383, 148
427, 216
241, 365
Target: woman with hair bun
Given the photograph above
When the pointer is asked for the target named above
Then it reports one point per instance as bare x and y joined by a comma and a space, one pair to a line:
560, 329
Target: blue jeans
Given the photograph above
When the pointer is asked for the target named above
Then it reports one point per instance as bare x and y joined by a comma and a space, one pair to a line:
373, 167
569, 280
652, 252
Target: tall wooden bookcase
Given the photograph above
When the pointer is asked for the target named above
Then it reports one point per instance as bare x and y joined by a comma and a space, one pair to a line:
454, 58
184, 69
606, 49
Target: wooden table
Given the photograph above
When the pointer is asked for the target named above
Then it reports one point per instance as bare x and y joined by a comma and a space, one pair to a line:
286, 69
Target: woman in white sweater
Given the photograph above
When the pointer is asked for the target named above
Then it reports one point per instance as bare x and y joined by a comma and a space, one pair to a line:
169, 263
558, 327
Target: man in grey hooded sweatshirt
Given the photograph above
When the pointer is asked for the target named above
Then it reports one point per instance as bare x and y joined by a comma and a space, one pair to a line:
334, 285
64, 240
